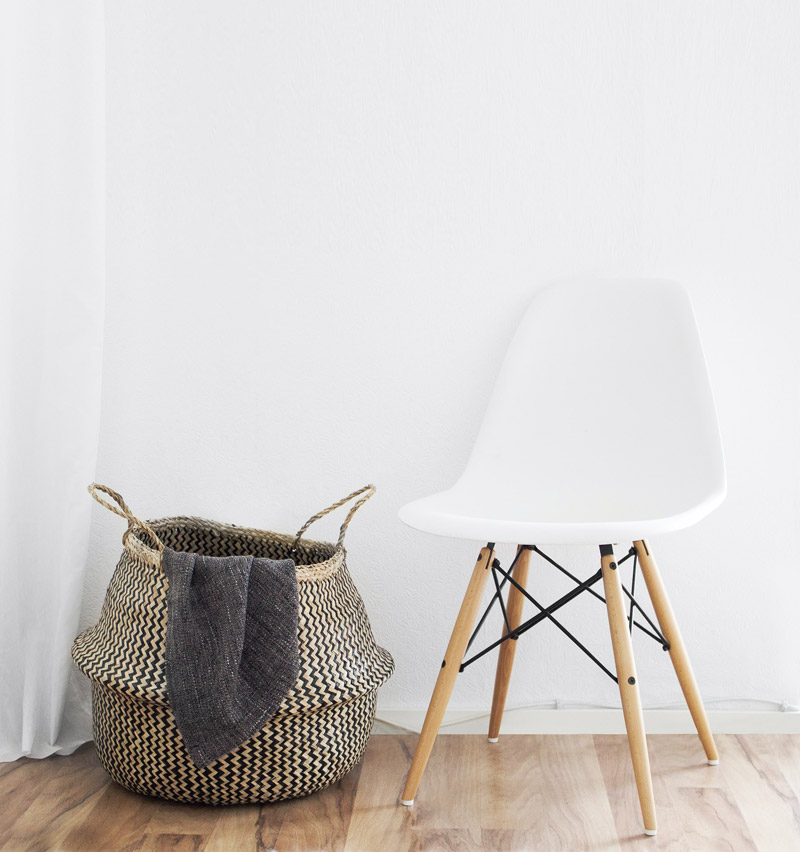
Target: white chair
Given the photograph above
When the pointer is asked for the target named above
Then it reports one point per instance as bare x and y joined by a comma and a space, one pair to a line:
601, 429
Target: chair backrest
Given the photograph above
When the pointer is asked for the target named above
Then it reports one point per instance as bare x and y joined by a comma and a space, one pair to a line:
603, 409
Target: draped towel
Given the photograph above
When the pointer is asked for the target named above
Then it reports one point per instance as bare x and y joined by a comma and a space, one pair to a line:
231, 646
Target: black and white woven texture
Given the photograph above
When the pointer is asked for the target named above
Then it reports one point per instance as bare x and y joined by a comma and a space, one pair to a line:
317, 734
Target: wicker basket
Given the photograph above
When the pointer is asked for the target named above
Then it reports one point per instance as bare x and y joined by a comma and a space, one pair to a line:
317, 734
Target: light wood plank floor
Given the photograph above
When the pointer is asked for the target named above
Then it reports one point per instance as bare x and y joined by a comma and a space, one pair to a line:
545, 793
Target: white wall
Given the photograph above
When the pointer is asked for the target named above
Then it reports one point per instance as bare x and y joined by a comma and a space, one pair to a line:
323, 223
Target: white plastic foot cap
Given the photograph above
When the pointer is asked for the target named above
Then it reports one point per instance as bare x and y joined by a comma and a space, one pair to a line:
713, 763
407, 802
651, 832
493, 739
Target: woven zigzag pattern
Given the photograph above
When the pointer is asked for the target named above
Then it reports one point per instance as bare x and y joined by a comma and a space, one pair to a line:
318, 733
294, 755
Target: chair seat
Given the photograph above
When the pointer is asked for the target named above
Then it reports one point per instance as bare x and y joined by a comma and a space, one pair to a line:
458, 513
601, 427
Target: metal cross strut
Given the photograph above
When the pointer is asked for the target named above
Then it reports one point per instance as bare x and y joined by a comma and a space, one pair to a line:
546, 612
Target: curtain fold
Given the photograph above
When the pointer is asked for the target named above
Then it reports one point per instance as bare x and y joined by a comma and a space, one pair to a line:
52, 211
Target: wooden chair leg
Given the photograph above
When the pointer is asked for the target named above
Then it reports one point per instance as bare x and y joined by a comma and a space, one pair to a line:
628, 687
677, 650
505, 661
447, 675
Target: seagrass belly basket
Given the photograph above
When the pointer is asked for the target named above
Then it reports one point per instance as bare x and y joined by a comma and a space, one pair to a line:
320, 730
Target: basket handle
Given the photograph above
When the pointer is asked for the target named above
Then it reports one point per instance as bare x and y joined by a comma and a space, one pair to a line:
367, 491
124, 512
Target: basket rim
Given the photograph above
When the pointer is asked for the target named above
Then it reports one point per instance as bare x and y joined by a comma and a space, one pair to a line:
136, 543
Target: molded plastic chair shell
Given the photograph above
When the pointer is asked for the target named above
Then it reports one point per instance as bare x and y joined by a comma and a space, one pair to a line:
601, 427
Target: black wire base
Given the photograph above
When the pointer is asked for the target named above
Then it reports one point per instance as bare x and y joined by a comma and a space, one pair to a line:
544, 613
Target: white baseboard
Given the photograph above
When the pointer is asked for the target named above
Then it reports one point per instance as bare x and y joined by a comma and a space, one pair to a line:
594, 721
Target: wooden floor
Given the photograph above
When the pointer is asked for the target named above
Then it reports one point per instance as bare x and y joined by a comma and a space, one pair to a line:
545, 793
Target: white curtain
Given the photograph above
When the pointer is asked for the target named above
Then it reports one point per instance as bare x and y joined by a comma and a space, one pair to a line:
52, 189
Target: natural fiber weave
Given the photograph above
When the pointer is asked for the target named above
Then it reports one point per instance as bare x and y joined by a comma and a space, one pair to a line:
317, 734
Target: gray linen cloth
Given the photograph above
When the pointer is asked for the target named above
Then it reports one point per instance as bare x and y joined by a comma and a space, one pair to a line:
231, 649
